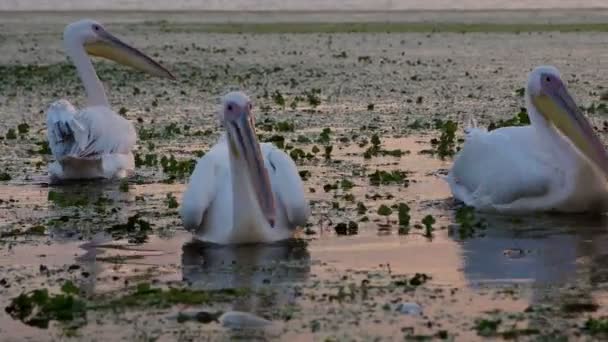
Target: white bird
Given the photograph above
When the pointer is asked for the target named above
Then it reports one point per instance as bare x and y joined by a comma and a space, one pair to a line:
242, 191
94, 142
556, 164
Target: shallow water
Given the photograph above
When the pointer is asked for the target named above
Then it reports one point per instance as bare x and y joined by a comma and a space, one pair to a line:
522, 271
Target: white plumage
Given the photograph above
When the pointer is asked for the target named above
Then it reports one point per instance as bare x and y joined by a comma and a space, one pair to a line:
212, 207
528, 169
220, 204
93, 142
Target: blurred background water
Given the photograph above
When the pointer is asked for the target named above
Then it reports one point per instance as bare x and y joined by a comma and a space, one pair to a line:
295, 5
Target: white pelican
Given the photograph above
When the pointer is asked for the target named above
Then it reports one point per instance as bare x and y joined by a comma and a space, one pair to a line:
94, 142
555, 164
242, 191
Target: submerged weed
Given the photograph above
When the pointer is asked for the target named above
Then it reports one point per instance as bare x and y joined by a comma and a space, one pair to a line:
381, 177
37, 308
445, 146
468, 224
520, 119
136, 230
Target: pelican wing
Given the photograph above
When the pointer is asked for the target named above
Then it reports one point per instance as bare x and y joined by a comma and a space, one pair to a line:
88, 134
499, 170
201, 191
287, 185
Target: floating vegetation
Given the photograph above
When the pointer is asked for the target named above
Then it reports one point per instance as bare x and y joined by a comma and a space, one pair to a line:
278, 99
428, 221
67, 200
37, 308
403, 211
124, 185
468, 224
171, 201
415, 281
148, 296
445, 146
177, 169
381, 177
11, 135
375, 149
324, 136
487, 327
313, 97
350, 228
520, 119
596, 326
4, 177
136, 230
385, 210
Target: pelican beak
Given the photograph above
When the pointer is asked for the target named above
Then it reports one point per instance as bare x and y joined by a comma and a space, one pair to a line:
110, 47
558, 107
244, 146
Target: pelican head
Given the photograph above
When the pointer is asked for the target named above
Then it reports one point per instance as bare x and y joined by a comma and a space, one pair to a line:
99, 42
236, 117
548, 94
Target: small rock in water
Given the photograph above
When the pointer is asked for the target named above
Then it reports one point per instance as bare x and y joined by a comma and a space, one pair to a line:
514, 253
408, 308
242, 320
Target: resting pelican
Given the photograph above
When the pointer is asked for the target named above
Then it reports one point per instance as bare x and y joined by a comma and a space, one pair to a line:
555, 164
94, 142
242, 191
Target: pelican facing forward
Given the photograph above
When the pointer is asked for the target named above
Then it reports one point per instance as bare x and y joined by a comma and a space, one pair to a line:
242, 191
555, 164
94, 142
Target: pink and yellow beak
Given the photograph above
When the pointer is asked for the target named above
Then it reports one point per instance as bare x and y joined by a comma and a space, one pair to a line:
557, 106
112, 48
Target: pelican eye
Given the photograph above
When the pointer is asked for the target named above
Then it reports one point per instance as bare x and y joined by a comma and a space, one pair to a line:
229, 107
96, 27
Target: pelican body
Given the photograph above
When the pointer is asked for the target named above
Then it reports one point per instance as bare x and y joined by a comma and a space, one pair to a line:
93, 142
242, 191
556, 164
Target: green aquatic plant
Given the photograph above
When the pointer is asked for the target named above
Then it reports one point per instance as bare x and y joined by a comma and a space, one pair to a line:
171, 201
64, 200
386, 211
403, 211
468, 224
4, 177
445, 146
346, 184
520, 119
297, 154
23, 128
361, 208
596, 326
381, 177
37, 308
313, 97
327, 151
177, 169
487, 327
277, 140
350, 228
324, 136
278, 99
124, 185
428, 221
11, 134
136, 230
147, 296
